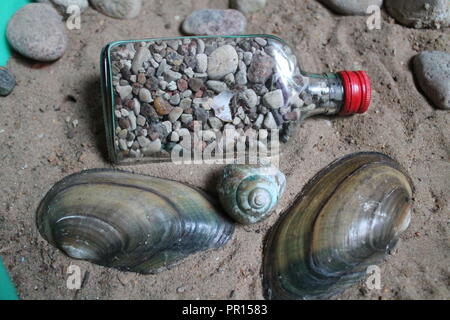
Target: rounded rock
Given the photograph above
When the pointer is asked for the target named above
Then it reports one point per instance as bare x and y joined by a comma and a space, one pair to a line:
37, 32
432, 71
420, 13
64, 5
7, 82
352, 7
222, 61
215, 22
119, 9
248, 6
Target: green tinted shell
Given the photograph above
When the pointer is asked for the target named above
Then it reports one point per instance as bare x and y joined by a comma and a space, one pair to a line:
128, 221
346, 219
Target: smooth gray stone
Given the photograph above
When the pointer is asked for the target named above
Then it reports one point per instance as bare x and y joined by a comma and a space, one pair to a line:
37, 32
351, 7
248, 6
119, 9
215, 22
420, 13
63, 5
7, 82
432, 71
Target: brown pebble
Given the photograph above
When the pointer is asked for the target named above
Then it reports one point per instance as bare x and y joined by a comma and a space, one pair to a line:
290, 116
124, 123
162, 107
141, 78
199, 94
182, 85
153, 135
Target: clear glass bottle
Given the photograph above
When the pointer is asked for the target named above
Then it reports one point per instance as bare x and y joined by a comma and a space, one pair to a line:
190, 95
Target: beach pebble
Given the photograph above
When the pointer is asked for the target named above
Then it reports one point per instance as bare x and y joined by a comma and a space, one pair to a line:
124, 91
202, 63
216, 86
145, 95
420, 13
142, 55
222, 61
153, 147
352, 7
269, 121
37, 32
215, 123
249, 98
261, 68
63, 5
274, 99
175, 114
120, 9
248, 6
215, 22
7, 82
432, 71
162, 107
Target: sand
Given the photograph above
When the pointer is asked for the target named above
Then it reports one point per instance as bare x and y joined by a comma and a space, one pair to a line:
39, 147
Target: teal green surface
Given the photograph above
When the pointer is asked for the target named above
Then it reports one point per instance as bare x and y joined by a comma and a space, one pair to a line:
7, 291
7, 9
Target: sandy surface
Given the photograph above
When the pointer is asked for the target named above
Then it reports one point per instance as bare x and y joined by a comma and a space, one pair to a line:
38, 147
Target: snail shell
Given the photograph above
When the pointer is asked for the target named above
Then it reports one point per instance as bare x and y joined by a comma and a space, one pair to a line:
346, 219
128, 221
249, 193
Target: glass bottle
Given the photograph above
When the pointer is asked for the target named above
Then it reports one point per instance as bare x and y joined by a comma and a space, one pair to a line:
184, 95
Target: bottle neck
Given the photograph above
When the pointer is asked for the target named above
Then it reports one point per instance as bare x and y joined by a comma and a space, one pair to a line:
322, 95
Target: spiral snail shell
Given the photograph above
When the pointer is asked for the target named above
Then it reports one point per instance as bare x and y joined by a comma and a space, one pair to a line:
128, 221
346, 219
249, 193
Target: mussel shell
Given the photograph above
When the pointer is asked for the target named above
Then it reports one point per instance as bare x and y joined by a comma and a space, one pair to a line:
346, 219
249, 193
130, 222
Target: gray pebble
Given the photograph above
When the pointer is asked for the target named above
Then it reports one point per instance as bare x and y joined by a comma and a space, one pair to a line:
37, 32
352, 7
142, 54
200, 46
186, 118
175, 114
175, 99
216, 86
215, 123
247, 58
273, 99
172, 86
222, 61
249, 97
202, 63
123, 144
7, 82
269, 122
174, 137
248, 6
261, 68
140, 120
229, 80
124, 91
185, 103
170, 75
145, 95
432, 71
153, 147
120, 9
215, 22
420, 13
133, 120
186, 94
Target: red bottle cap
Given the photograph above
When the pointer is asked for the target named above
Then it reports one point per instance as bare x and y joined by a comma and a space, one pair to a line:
357, 92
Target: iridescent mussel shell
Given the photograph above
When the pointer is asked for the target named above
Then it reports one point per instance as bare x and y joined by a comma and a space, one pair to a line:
249, 194
130, 222
347, 218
